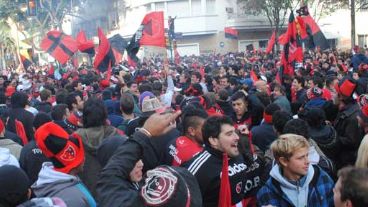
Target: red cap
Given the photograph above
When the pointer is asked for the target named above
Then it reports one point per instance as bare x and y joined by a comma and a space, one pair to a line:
65, 152
346, 88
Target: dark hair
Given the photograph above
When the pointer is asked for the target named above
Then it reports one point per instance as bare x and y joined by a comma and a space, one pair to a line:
315, 117
354, 185
223, 94
58, 111
106, 94
296, 126
61, 95
300, 80
144, 87
71, 99
212, 127
198, 75
127, 103
272, 108
130, 83
40, 119
190, 116
75, 83
94, 113
239, 95
45, 94
19, 100
279, 119
318, 80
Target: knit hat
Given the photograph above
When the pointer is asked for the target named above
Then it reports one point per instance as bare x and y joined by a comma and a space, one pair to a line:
14, 185
171, 186
65, 152
346, 87
314, 92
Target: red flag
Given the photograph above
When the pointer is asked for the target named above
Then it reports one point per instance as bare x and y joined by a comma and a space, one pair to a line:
59, 45
84, 45
314, 36
105, 55
225, 191
231, 33
271, 42
153, 31
253, 76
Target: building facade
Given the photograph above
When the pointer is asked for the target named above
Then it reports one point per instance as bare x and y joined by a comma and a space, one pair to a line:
200, 24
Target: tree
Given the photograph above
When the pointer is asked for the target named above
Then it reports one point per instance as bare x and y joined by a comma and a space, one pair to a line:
49, 15
274, 10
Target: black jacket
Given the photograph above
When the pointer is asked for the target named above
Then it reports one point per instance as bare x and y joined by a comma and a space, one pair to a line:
326, 138
244, 175
113, 186
349, 135
23, 116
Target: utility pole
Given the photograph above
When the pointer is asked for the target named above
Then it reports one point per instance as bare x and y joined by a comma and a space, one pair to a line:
352, 13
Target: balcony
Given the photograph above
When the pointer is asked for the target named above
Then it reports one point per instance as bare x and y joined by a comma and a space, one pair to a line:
249, 22
198, 25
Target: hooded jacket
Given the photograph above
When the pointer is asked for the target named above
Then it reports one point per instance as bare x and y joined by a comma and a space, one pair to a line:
6, 158
13, 147
92, 138
326, 138
69, 188
314, 189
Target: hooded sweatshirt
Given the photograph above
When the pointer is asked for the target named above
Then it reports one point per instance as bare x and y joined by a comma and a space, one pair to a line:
13, 147
6, 158
92, 138
297, 192
69, 188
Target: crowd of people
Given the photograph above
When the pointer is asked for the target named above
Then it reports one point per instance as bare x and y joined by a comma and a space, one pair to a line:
212, 130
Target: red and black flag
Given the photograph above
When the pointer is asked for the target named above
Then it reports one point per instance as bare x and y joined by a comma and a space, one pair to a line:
271, 42
59, 45
315, 37
231, 33
105, 56
151, 32
84, 45
25, 59
293, 50
118, 45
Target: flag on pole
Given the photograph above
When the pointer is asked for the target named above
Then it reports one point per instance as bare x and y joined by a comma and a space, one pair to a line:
315, 37
271, 42
105, 56
59, 45
231, 33
84, 45
151, 32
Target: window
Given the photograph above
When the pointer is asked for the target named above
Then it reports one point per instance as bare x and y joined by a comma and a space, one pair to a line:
262, 43
196, 7
160, 6
210, 6
178, 8
362, 40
